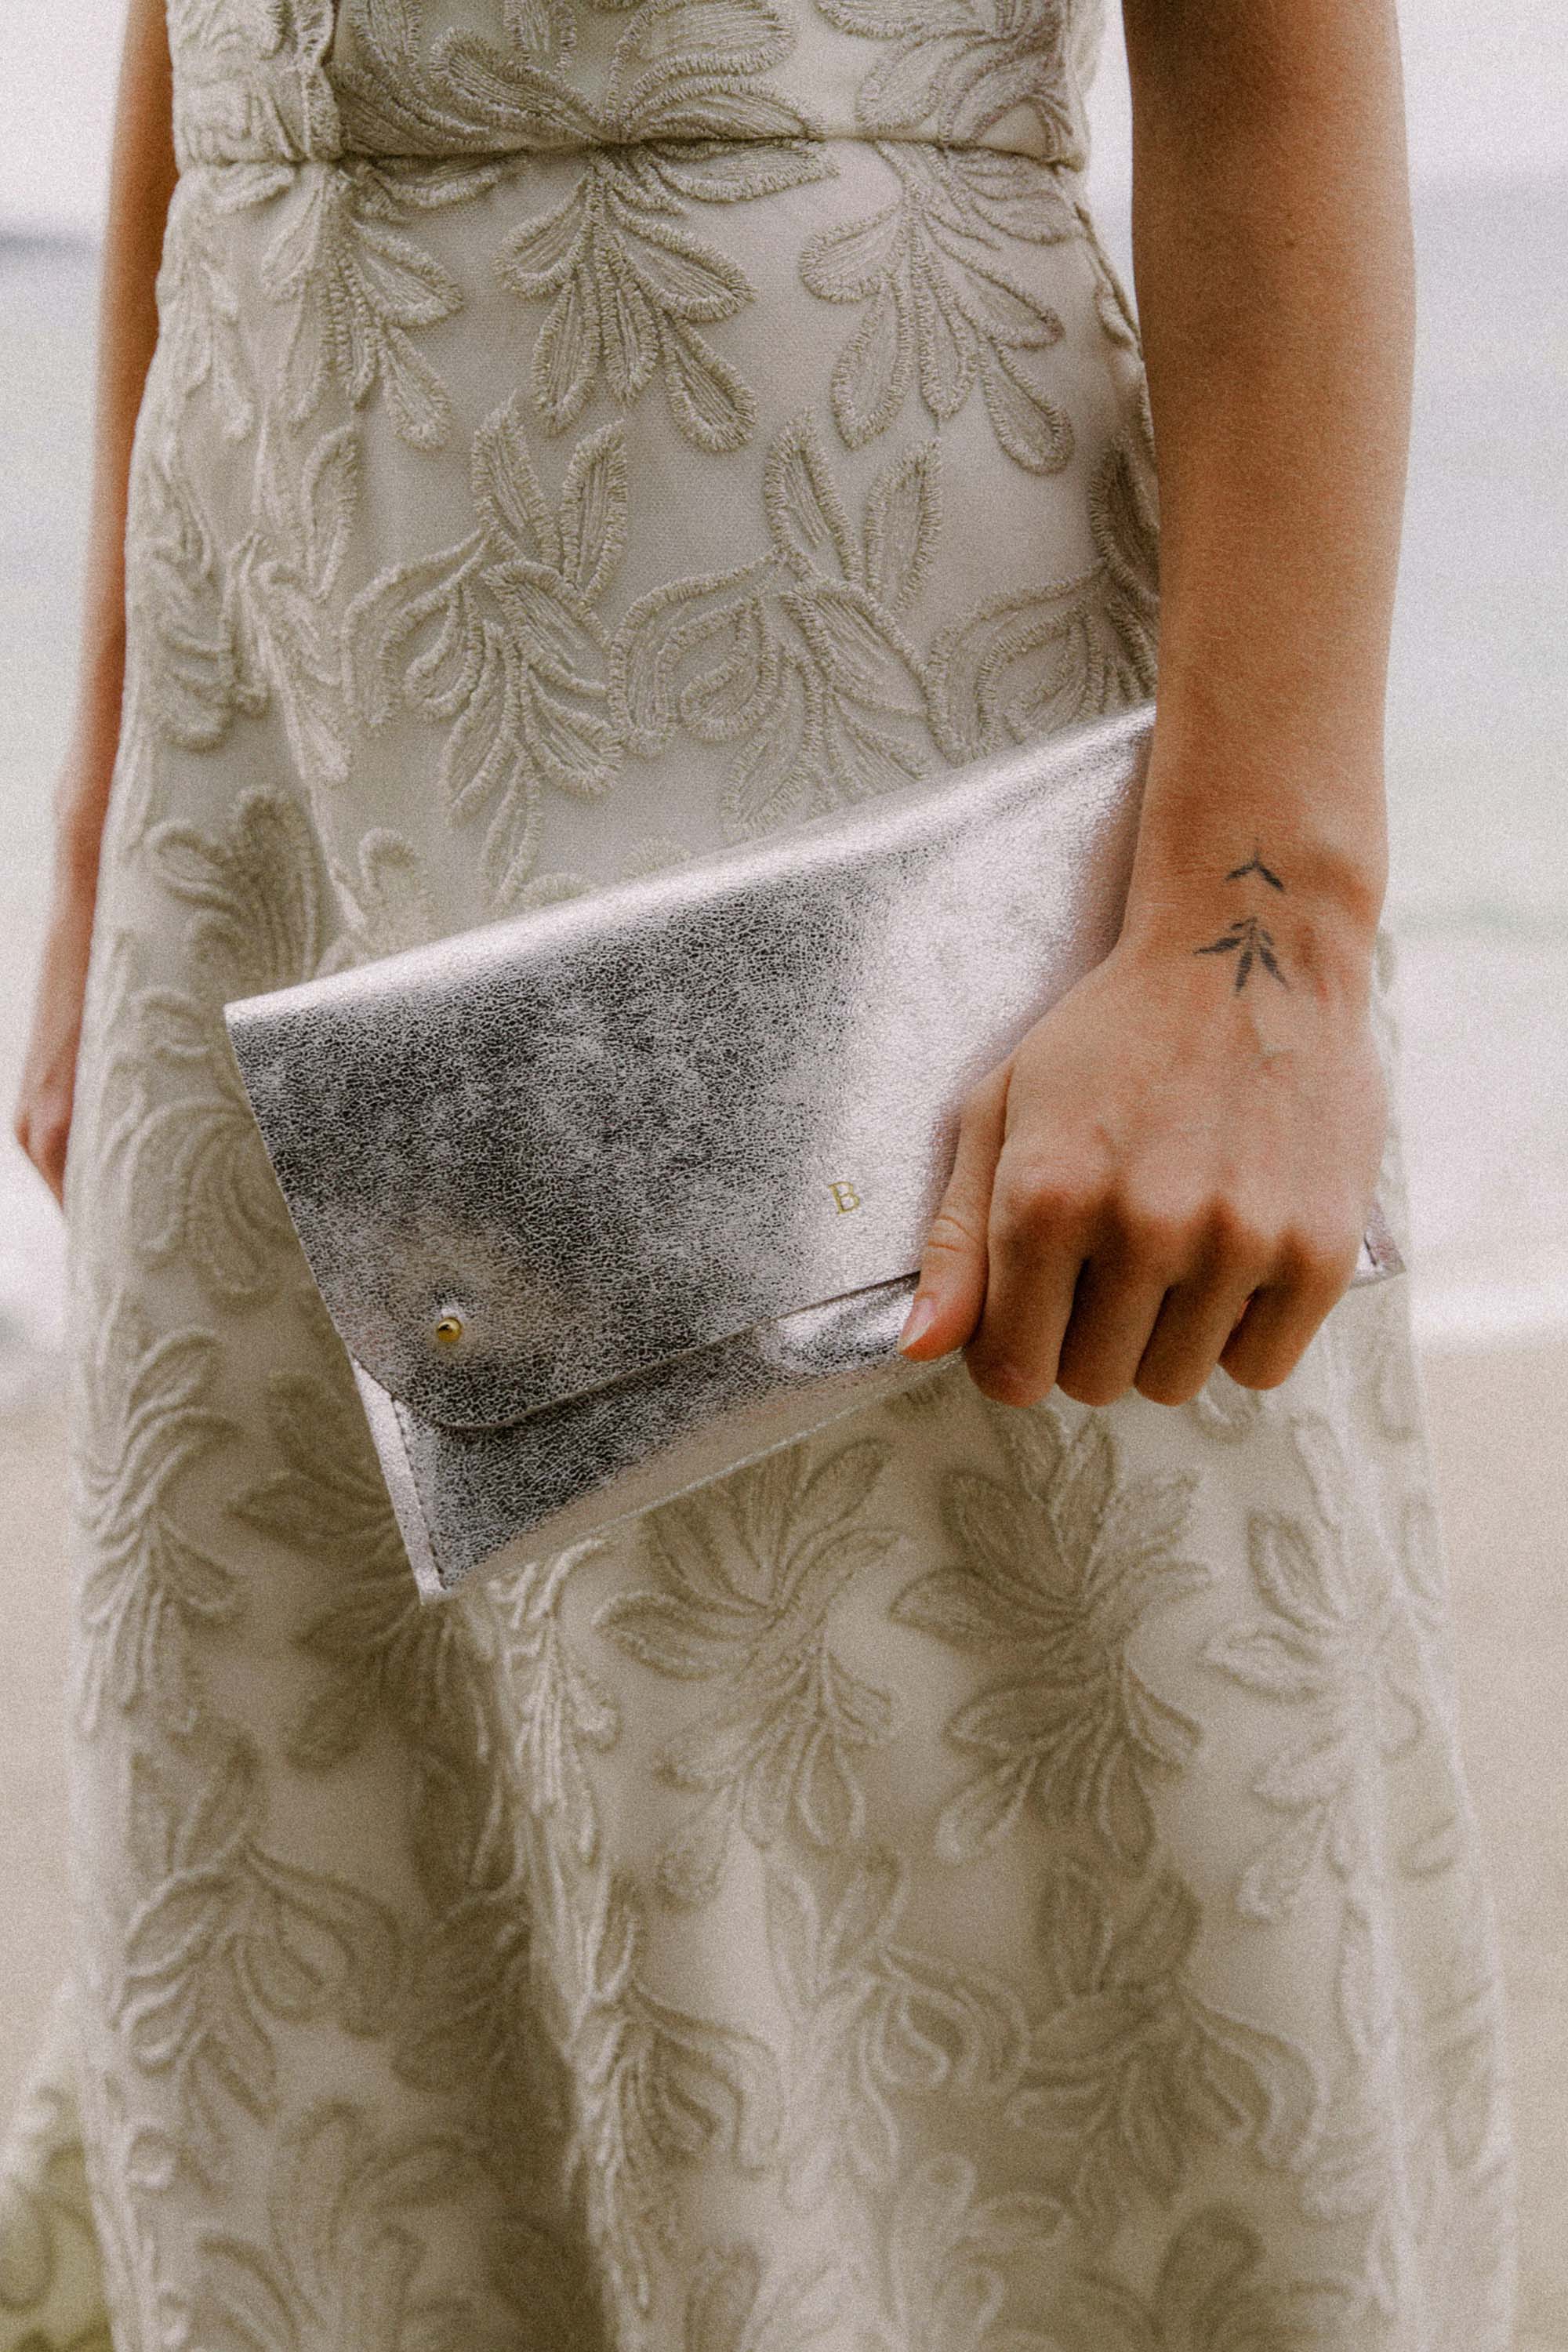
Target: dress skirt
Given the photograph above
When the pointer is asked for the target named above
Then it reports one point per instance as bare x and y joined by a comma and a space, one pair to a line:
978, 1880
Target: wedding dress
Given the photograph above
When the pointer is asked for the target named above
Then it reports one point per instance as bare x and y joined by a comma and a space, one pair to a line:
978, 1880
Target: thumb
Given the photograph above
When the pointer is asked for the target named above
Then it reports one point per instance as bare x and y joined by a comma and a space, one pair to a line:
950, 1291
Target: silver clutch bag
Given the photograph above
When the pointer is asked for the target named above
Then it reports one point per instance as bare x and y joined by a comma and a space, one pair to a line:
609, 1199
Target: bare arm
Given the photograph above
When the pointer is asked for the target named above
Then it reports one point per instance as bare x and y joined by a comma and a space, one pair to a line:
142, 179
1174, 1168
1271, 242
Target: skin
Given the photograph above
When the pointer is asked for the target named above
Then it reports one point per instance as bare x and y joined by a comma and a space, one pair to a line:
1169, 1170
142, 179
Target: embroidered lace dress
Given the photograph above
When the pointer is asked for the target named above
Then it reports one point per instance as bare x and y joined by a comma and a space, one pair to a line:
979, 1881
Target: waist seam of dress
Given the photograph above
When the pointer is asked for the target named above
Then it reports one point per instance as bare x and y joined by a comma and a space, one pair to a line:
1059, 166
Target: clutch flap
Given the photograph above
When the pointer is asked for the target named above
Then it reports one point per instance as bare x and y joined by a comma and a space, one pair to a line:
537, 1158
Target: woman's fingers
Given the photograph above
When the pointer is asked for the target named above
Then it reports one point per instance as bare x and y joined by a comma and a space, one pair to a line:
1096, 1293
1036, 1251
1050, 1280
1284, 1314
951, 1290
1190, 1331
1113, 1313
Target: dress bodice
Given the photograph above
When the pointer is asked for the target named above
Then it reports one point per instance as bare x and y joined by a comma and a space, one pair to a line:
268, 82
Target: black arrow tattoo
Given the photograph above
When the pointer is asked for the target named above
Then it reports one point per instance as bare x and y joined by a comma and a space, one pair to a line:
1255, 866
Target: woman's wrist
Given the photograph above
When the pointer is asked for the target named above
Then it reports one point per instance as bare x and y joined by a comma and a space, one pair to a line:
1274, 876
1271, 923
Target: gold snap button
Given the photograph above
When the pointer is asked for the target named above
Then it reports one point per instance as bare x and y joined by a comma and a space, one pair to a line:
449, 1330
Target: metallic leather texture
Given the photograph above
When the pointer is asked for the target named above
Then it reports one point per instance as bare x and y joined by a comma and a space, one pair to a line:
607, 1199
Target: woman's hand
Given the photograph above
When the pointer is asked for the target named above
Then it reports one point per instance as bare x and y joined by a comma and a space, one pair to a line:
42, 1119
1168, 1172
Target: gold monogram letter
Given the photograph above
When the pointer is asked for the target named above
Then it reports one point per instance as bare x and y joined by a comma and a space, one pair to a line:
844, 1195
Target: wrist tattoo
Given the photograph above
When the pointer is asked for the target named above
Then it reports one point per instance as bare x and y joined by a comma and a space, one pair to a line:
1248, 938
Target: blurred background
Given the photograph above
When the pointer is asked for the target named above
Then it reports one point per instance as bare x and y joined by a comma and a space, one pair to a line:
1477, 723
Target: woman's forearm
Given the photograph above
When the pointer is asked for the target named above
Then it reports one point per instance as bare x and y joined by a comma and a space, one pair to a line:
142, 179
1272, 250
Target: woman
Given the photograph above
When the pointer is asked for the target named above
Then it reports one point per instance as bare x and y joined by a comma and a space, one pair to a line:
994, 1878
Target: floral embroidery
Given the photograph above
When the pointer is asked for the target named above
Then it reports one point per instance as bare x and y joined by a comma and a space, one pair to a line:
943, 309
200, 310
661, 2090
1335, 1642
878, 2023
248, 80
683, 118
186, 653
498, 637
751, 1573
960, 67
628, 287
286, 570
230, 1939
799, 655
1026, 664
1412, 2081
144, 1421
471, 2011
387, 1659
200, 1187
954, 2259
1058, 1568
213, 639
356, 286
680, 69
1209, 2297
1130, 2072
561, 1708
353, 2225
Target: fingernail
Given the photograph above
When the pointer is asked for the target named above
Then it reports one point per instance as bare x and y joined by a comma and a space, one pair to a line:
918, 1322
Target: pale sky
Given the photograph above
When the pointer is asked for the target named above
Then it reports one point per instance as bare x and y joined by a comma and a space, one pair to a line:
1487, 82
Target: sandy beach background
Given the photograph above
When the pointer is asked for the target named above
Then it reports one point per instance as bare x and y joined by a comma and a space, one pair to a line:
1478, 715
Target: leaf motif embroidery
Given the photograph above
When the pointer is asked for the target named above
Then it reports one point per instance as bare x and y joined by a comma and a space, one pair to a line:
1024, 665
1334, 1641
230, 1939
352, 2220
1056, 1569
750, 1575
940, 310
199, 310
474, 2006
879, 2025
955, 2258
798, 655
960, 68
560, 1708
1130, 2072
1212, 2294
249, 82
145, 1421
660, 2089
186, 658
628, 287
199, 1184
358, 289
385, 1659
497, 639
